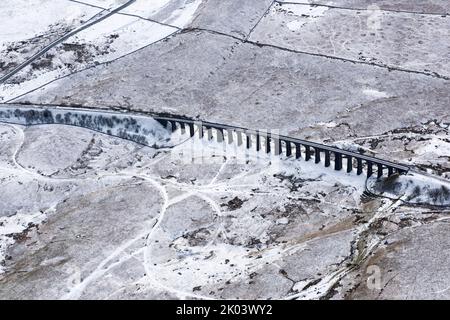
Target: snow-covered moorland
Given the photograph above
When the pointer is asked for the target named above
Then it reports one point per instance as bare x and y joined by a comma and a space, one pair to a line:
89, 215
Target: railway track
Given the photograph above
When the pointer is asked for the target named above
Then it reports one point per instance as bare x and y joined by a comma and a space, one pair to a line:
152, 130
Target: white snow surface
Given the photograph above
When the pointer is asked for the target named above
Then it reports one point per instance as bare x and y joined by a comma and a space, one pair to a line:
21, 20
302, 12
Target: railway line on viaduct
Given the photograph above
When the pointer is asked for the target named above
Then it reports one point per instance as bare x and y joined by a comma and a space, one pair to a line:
144, 129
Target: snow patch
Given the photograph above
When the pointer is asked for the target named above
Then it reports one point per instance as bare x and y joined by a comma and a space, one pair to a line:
330, 124
375, 93
26, 19
305, 11
438, 147
282, 221
13, 225
295, 25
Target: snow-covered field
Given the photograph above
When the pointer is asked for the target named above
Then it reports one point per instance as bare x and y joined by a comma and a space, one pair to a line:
84, 215
205, 224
